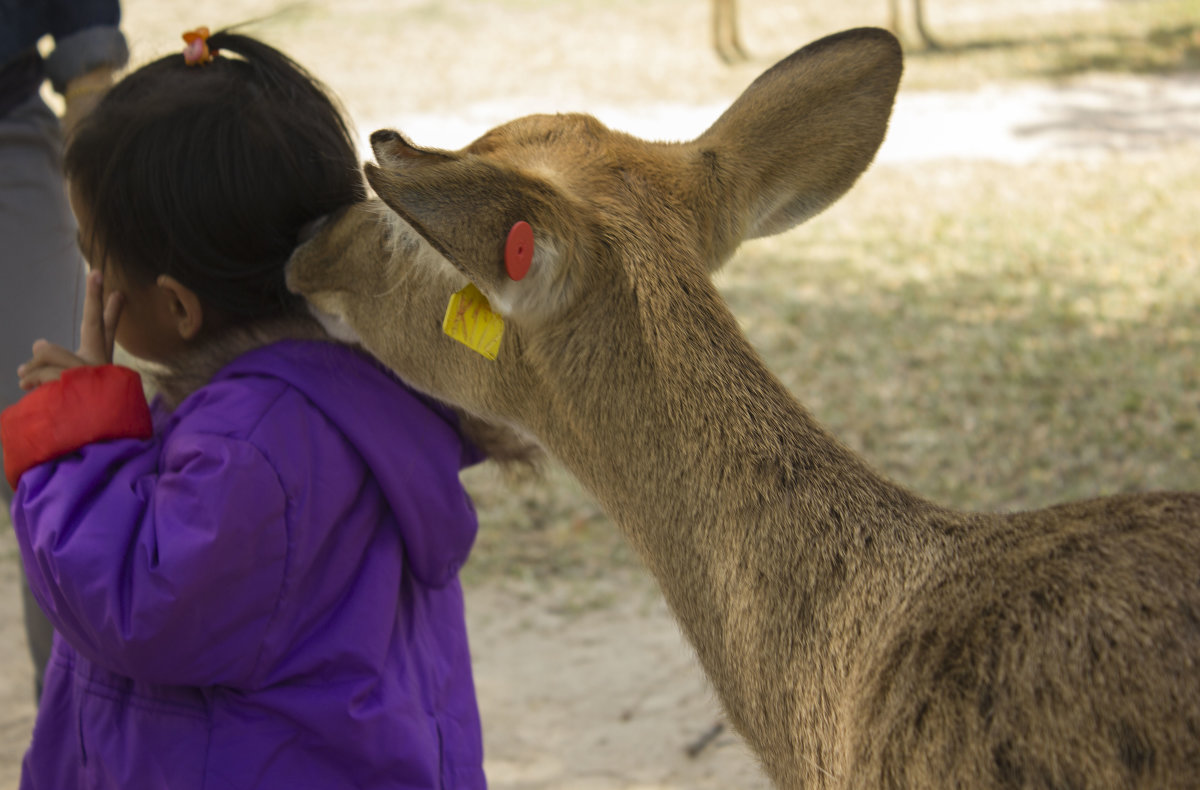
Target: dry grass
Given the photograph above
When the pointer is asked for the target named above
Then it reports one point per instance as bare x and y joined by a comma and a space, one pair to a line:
999, 337
391, 57
1055, 40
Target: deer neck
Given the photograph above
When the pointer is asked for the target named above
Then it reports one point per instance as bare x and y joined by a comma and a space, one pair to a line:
747, 511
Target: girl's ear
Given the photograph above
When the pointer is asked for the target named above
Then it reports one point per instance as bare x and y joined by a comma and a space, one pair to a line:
186, 313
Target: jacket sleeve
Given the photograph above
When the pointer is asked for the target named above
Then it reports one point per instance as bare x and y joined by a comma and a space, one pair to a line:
163, 565
85, 405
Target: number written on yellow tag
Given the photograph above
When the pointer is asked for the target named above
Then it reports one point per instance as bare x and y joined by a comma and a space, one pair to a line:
470, 320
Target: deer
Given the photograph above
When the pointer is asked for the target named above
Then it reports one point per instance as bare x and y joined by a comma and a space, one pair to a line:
856, 634
926, 38
727, 41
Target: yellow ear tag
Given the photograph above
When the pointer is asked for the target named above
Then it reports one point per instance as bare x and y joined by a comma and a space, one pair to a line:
470, 320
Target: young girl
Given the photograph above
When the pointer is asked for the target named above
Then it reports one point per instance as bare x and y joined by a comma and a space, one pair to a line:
253, 581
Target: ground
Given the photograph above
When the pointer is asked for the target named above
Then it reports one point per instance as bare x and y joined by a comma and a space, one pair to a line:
583, 678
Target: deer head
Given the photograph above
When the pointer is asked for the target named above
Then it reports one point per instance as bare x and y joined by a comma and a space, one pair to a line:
619, 225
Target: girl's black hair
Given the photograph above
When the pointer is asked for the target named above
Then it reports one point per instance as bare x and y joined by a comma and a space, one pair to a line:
209, 172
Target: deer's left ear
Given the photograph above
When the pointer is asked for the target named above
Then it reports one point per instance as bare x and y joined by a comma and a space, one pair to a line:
536, 283
798, 137
510, 234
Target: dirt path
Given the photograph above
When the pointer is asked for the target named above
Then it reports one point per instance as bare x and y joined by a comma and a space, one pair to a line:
16, 689
1088, 117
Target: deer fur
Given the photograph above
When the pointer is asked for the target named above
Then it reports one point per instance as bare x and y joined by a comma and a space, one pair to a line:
858, 635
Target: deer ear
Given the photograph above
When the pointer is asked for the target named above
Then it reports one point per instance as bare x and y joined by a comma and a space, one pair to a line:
508, 233
800, 135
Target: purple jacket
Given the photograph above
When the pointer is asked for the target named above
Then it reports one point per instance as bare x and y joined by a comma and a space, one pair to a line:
263, 594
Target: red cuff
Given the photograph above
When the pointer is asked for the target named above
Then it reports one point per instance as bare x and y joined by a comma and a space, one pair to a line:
87, 404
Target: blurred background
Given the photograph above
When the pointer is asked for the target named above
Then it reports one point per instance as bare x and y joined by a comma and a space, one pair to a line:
1003, 313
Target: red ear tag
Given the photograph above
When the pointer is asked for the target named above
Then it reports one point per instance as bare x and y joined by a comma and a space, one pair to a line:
518, 250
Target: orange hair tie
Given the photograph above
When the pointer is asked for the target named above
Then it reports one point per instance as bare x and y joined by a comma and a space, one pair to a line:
195, 50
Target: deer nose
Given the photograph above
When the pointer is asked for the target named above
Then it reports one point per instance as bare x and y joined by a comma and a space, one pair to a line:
383, 136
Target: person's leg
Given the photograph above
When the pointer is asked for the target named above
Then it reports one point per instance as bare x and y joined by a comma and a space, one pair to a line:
41, 277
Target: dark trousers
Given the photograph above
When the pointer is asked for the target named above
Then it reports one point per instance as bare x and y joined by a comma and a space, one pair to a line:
41, 276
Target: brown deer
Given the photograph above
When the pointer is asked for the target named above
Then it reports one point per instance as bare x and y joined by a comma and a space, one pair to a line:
728, 43
858, 635
927, 40
726, 40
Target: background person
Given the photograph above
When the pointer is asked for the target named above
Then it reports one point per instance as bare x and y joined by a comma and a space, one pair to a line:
39, 259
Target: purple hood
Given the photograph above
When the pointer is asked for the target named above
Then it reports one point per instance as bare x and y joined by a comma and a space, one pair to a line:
385, 420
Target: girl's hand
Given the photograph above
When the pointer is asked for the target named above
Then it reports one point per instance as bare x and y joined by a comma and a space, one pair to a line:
97, 337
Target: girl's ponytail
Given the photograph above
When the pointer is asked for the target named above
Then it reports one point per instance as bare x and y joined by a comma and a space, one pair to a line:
208, 172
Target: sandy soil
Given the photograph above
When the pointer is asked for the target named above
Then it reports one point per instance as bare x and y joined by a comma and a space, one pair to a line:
587, 687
